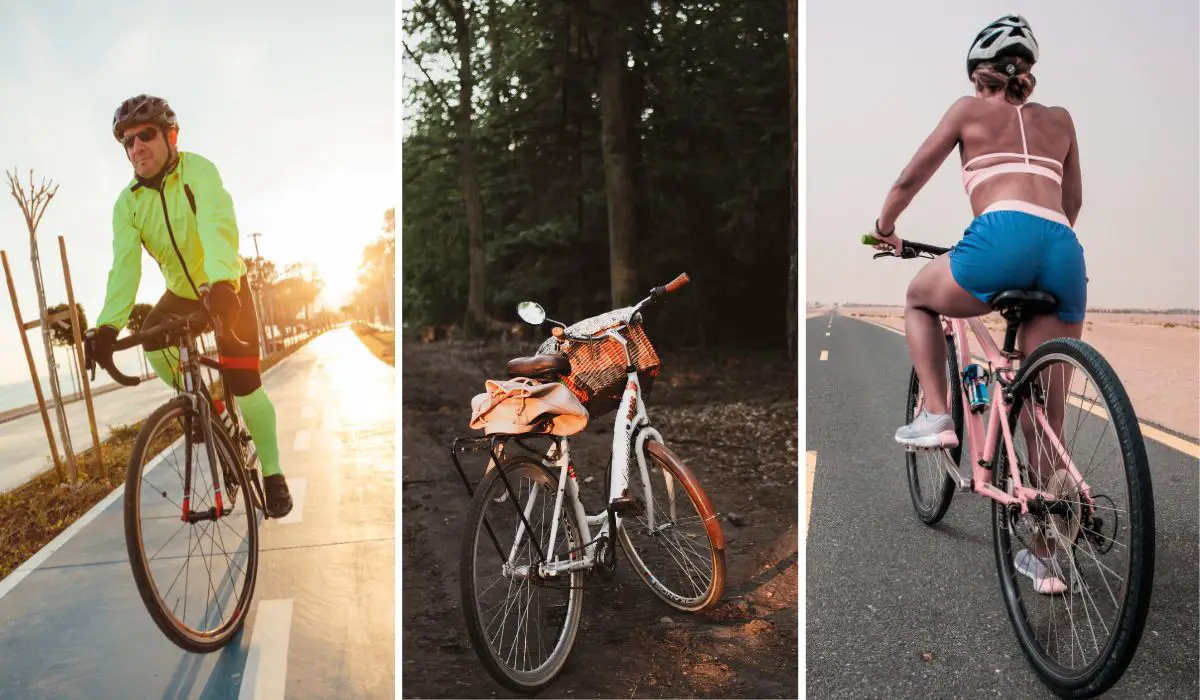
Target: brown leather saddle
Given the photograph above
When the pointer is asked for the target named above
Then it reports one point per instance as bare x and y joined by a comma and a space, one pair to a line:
548, 367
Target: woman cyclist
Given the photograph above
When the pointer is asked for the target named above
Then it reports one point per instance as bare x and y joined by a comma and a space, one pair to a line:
1020, 166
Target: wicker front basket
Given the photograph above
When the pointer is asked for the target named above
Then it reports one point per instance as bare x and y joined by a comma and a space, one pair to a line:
598, 369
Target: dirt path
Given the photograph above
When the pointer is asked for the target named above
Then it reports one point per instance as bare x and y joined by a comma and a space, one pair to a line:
733, 420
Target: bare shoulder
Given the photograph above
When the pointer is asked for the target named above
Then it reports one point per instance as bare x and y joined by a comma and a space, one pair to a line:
1058, 112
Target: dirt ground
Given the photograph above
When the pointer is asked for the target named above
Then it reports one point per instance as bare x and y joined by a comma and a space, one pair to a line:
732, 419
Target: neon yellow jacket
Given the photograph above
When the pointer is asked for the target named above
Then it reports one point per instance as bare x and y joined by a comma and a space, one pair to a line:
208, 239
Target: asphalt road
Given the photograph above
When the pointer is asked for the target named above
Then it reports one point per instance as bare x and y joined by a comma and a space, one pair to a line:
883, 588
322, 624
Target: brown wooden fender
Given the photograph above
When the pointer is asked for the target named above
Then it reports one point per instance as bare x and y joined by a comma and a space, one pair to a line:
711, 522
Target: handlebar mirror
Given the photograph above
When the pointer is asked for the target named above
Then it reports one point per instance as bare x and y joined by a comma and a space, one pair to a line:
531, 313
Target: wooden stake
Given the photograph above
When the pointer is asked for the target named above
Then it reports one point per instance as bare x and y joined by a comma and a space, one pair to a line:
87, 387
37, 385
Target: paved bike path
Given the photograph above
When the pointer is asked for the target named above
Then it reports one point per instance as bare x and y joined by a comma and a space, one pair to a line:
883, 588
322, 624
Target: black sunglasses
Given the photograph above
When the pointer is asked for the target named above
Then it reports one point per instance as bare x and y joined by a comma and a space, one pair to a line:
145, 136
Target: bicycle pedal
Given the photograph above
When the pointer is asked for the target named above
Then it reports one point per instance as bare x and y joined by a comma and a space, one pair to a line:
627, 506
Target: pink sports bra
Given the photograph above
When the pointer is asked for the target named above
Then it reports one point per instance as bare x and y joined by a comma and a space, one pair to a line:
971, 178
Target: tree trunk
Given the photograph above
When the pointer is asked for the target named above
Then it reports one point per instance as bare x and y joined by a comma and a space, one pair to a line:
611, 43
476, 319
793, 301
52, 366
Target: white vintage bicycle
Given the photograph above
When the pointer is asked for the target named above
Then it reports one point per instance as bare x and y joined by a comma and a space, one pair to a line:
528, 543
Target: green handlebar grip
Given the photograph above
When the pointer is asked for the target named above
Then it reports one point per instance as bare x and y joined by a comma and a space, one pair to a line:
868, 239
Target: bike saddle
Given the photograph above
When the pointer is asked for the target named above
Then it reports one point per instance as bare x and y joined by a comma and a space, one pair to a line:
540, 366
1030, 303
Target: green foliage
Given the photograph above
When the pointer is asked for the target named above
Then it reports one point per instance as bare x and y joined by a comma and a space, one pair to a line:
137, 317
61, 333
708, 100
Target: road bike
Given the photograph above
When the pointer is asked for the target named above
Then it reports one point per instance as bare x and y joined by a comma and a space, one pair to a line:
521, 588
203, 497
1080, 635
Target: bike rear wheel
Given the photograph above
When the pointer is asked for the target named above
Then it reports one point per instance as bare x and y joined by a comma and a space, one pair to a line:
522, 626
175, 573
929, 484
1081, 639
680, 554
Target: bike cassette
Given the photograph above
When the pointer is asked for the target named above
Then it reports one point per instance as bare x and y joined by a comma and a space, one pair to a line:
1102, 529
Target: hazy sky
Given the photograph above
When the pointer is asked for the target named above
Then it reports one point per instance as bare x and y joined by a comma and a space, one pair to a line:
881, 74
293, 101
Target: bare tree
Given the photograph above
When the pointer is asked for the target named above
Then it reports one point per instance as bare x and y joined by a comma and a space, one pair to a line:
33, 205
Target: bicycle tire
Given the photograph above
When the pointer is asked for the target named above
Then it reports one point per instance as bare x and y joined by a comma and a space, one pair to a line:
514, 679
185, 639
944, 489
666, 459
1109, 666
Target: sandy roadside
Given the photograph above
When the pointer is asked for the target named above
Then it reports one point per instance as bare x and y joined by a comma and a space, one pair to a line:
1156, 356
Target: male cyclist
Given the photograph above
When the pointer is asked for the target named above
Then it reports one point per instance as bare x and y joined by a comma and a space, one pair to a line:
177, 208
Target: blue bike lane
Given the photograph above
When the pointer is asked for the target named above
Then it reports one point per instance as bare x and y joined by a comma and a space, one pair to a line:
322, 624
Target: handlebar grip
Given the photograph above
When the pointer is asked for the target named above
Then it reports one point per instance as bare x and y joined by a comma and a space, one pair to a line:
676, 283
868, 239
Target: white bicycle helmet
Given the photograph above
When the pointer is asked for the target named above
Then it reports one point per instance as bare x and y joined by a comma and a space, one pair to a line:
1010, 35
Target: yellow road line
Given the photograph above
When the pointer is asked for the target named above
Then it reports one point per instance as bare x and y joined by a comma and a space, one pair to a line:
811, 459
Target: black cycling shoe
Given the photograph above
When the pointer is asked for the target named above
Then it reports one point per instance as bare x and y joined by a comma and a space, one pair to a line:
279, 499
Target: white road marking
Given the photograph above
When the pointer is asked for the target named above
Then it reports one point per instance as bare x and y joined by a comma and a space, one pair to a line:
265, 675
824, 355
303, 439
826, 335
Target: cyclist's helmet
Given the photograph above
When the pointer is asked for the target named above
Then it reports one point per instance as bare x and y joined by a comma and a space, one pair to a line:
143, 109
1010, 35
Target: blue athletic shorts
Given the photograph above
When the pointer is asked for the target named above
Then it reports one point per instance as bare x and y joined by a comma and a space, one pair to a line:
1013, 250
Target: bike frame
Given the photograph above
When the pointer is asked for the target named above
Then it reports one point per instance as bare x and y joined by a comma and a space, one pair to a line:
631, 430
984, 444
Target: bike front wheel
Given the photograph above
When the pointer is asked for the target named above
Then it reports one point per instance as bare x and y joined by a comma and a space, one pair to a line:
675, 544
929, 484
196, 586
1075, 436
522, 625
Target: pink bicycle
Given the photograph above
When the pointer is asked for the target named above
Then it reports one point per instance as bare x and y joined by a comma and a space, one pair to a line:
1074, 544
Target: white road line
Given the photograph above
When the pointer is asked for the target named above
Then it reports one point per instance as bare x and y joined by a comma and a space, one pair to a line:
303, 438
298, 486
826, 335
265, 675
824, 355
1163, 438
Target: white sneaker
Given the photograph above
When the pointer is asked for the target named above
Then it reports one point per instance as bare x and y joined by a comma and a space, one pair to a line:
928, 430
1044, 581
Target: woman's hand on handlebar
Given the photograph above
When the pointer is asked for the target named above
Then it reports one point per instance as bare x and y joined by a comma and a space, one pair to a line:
890, 244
